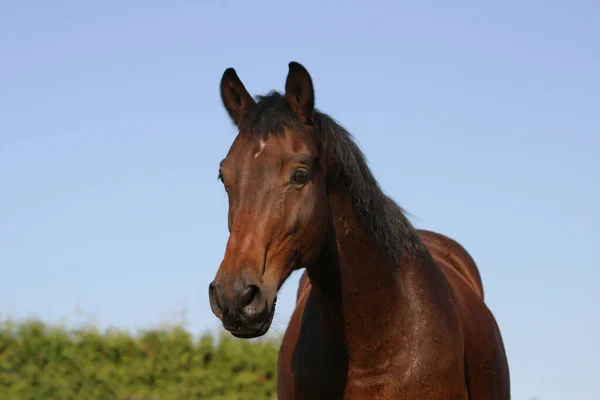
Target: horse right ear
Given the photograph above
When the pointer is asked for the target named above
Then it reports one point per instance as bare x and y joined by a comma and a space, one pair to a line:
299, 92
235, 97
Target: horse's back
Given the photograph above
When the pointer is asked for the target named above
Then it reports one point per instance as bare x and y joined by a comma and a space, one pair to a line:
439, 246
450, 252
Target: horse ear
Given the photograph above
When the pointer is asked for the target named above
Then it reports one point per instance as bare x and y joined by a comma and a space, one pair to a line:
299, 92
235, 97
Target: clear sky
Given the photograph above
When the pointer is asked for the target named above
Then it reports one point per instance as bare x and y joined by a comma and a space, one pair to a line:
482, 120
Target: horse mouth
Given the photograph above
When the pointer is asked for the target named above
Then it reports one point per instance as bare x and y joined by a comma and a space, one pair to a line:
252, 329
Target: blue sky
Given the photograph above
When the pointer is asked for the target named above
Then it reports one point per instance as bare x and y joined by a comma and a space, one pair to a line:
480, 119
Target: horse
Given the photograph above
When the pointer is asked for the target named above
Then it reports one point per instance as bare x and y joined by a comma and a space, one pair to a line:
383, 310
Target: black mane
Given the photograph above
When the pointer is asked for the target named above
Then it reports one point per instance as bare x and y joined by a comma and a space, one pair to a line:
389, 227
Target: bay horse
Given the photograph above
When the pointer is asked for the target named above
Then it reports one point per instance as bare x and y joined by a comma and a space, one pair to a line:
383, 311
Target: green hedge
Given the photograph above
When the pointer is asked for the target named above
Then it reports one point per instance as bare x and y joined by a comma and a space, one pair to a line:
38, 361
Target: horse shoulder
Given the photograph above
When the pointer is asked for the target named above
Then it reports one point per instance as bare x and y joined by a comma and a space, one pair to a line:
486, 366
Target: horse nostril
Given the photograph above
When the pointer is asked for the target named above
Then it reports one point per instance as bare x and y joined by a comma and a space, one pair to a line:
213, 296
248, 295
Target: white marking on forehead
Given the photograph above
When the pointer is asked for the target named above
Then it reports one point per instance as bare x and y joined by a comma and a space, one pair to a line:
262, 145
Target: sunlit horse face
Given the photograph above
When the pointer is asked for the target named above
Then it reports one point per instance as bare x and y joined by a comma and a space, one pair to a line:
278, 208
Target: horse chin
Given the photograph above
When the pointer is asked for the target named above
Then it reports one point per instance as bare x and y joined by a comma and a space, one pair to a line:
253, 335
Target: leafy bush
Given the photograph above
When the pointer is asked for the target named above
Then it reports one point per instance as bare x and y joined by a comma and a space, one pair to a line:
38, 361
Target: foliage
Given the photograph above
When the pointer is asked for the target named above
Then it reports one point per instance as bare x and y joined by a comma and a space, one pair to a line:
38, 361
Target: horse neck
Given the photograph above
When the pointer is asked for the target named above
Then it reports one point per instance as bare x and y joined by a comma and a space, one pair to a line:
357, 286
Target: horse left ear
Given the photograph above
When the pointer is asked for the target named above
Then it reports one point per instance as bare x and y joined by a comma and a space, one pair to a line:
235, 97
299, 92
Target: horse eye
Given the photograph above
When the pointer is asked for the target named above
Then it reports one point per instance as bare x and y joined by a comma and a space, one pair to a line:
299, 177
220, 177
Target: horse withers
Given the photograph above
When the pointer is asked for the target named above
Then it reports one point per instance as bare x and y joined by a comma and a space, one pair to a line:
383, 311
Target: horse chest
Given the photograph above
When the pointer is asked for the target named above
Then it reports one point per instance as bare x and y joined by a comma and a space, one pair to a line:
321, 369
